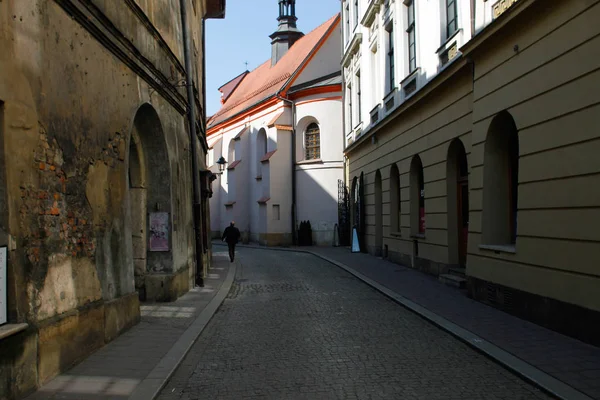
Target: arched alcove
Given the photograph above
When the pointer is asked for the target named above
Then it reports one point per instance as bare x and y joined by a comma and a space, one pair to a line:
500, 181
457, 181
378, 214
149, 176
395, 200
417, 197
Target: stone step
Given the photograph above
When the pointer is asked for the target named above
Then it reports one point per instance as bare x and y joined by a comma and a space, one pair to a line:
461, 272
453, 280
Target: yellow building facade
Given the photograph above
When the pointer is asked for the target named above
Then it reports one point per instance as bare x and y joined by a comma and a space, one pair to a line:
492, 167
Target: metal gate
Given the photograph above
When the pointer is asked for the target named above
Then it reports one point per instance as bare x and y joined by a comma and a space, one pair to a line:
344, 222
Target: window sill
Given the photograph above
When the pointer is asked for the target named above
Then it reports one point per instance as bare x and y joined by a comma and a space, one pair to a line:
395, 234
418, 236
313, 161
258, 178
11, 329
510, 249
444, 45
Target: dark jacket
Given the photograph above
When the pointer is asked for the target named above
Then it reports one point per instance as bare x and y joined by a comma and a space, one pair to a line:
231, 234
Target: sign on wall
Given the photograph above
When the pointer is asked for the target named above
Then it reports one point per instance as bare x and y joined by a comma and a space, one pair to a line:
159, 231
3, 294
501, 6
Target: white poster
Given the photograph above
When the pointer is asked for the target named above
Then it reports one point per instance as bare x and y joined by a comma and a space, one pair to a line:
3, 309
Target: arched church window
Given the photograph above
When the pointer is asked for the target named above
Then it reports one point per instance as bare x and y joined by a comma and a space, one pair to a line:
312, 142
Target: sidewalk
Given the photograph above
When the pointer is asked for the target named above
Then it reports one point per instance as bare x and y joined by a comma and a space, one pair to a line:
138, 363
553, 361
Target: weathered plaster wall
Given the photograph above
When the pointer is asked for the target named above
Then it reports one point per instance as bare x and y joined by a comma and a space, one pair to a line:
68, 113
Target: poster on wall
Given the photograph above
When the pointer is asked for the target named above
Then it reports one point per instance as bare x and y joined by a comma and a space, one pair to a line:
3, 294
159, 231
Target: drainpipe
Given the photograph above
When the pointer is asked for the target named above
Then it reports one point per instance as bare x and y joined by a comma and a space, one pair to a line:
193, 141
293, 105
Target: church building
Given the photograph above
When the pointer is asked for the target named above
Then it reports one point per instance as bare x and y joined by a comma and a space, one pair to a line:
276, 144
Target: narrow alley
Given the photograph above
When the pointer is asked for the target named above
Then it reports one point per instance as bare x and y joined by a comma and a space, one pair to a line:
296, 327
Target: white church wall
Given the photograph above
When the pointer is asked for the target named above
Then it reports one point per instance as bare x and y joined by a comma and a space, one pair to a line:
317, 180
326, 61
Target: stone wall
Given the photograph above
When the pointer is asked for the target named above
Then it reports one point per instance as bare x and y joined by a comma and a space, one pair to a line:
73, 77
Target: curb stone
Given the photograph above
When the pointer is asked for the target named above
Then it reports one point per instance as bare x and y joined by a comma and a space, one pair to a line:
519, 367
151, 386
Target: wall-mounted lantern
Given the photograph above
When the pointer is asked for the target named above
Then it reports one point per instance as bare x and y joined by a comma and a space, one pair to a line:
221, 161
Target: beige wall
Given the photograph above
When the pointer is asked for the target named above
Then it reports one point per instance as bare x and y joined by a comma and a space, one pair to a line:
550, 87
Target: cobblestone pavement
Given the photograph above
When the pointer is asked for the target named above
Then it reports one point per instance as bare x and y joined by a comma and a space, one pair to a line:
296, 327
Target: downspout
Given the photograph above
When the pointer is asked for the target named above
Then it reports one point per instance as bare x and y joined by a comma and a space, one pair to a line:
293, 105
193, 142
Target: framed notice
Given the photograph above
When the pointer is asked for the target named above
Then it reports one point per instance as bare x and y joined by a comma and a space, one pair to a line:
159, 231
3, 294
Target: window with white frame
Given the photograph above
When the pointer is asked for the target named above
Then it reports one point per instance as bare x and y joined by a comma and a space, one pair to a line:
347, 17
411, 37
375, 84
358, 99
355, 13
451, 18
349, 97
391, 81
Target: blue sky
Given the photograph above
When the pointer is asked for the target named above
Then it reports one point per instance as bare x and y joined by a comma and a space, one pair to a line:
244, 36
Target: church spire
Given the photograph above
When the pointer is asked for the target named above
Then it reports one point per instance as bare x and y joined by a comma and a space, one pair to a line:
287, 33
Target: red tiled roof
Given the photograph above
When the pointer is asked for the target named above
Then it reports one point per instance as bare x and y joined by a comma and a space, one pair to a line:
240, 133
234, 164
266, 80
230, 86
274, 119
267, 156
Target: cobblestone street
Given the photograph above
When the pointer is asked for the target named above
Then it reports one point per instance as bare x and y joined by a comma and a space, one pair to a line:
297, 327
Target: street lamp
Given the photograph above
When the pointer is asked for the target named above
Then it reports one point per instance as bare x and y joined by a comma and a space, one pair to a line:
221, 161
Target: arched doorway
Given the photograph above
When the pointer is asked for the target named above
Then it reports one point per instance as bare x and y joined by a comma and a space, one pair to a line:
149, 175
378, 214
457, 179
417, 197
361, 213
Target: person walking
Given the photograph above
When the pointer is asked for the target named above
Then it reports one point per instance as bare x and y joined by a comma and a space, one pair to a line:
231, 235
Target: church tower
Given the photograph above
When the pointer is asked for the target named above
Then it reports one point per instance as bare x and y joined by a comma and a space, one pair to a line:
287, 33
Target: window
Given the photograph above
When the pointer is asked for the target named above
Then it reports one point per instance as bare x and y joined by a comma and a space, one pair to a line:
375, 84
501, 181
347, 22
390, 54
417, 197
350, 119
276, 214
451, 18
358, 99
312, 142
355, 13
412, 50
261, 150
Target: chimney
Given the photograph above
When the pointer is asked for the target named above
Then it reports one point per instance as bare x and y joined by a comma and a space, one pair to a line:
287, 33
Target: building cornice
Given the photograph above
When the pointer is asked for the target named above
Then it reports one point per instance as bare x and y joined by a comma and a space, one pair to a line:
413, 101
353, 48
372, 10
516, 9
